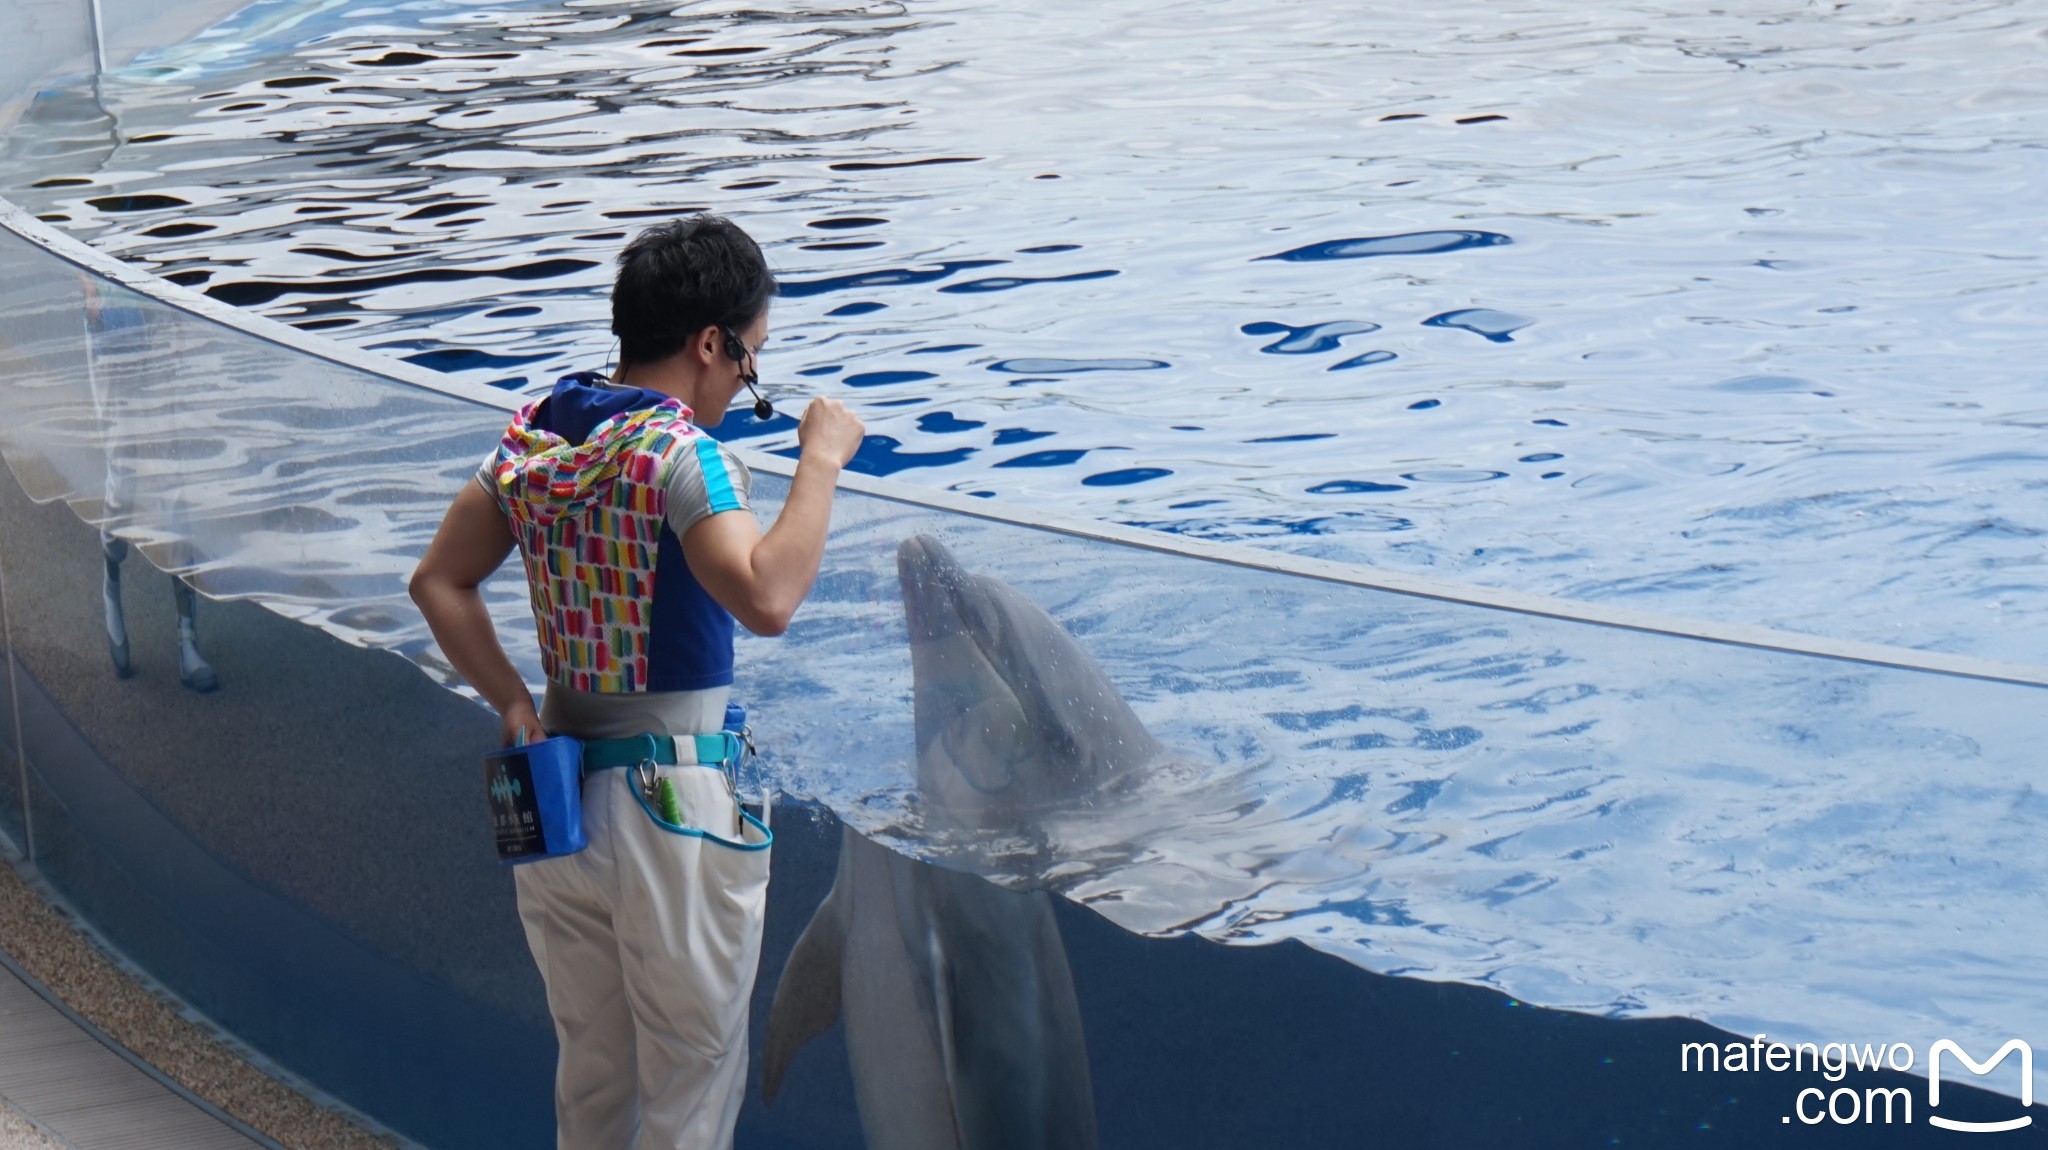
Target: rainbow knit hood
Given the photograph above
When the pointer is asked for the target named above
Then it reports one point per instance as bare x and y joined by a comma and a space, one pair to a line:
562, 454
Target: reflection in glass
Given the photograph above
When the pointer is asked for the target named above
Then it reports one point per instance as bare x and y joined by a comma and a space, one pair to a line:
117, 343
961, 1022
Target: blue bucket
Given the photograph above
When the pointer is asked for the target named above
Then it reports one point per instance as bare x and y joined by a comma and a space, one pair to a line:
536, 793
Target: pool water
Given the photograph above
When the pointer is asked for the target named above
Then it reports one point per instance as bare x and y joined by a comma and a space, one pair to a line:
1722, 313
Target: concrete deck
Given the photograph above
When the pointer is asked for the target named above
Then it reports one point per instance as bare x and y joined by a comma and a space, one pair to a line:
68, 1087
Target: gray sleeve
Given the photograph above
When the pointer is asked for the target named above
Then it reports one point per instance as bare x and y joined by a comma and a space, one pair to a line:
487, 475
705, 480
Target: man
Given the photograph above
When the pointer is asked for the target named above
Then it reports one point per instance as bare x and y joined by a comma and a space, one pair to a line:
640, 551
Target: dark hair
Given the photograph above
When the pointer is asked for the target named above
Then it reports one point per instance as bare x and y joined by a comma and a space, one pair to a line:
680, 277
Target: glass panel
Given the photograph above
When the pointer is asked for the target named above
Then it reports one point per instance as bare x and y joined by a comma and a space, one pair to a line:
12, 830
133, 26
1578, 816
235, 809
44, 37
1162, 763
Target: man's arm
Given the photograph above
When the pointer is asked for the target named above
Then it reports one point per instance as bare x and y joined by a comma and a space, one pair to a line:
473, 540
762, 578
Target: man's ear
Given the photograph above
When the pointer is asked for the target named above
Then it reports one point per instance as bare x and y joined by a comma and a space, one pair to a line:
709, 345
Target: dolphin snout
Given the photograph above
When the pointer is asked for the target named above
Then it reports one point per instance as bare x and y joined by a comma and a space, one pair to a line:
924, 554
932, 580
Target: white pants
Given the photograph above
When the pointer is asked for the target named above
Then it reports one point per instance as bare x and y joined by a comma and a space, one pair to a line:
648, 941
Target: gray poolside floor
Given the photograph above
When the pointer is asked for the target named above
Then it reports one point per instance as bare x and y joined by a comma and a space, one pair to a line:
57, 1076
18, 1133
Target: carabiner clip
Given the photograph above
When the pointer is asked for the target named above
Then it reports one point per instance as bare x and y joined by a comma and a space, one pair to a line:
743, 740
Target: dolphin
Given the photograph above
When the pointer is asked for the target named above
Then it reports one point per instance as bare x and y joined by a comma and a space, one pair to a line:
962, 1025
961, 1022
1013, 718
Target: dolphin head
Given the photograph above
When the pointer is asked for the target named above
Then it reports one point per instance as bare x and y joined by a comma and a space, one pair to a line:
1012, 715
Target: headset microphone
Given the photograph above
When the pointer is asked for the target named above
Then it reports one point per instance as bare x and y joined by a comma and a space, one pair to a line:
763, 410
736, 350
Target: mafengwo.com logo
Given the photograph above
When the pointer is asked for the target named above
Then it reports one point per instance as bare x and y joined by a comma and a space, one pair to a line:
1850, 1106
2026, 1054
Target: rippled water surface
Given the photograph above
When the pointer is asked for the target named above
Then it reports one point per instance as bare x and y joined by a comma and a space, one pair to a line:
1730, 313
1734, 313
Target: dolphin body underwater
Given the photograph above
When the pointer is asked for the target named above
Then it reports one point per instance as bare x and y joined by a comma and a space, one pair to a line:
961, 1021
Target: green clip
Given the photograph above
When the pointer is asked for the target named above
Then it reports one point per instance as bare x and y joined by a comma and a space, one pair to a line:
666, 804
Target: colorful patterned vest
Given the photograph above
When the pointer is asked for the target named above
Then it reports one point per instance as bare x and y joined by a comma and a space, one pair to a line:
615, 604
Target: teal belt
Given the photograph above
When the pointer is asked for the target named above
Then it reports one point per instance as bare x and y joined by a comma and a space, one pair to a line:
715, 750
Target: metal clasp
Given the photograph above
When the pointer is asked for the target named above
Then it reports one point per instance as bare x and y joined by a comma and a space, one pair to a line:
767, 784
